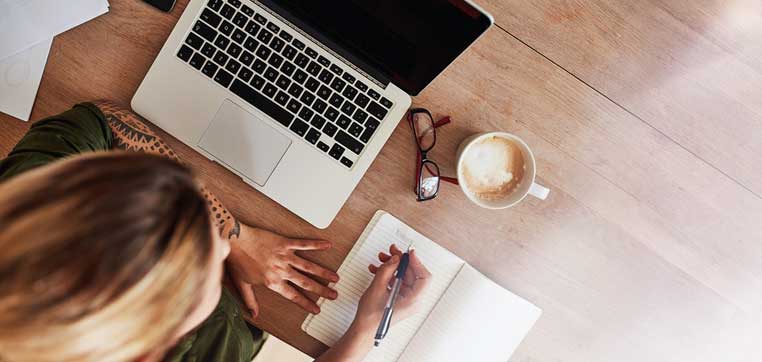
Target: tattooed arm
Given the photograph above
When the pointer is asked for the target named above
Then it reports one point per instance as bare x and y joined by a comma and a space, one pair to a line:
257, 256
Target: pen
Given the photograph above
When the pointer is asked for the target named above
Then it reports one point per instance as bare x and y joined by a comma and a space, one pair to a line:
383, 327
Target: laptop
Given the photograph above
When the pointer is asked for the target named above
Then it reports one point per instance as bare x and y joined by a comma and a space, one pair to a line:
297, 97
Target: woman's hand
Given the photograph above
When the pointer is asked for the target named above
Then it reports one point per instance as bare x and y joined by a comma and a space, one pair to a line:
260, 257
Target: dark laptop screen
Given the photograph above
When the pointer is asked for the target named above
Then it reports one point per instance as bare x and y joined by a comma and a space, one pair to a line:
408, 42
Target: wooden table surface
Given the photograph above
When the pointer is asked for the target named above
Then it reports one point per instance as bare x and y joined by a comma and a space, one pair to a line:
646, 121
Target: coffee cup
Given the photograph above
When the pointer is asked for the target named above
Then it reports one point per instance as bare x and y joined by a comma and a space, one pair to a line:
496, 170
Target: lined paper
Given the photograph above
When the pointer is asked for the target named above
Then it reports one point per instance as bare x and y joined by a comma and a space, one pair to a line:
383, 230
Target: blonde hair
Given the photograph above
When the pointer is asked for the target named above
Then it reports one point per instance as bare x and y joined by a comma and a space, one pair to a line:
101, 257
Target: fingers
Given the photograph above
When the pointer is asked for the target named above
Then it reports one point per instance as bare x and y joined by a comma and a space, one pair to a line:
306, 244
314, 269
296, 297
247, 293
418, 268
311, 285
385, 273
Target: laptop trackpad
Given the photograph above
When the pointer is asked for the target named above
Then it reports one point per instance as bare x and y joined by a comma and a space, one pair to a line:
244, 142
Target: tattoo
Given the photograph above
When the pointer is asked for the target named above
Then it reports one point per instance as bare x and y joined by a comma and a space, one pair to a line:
235, 231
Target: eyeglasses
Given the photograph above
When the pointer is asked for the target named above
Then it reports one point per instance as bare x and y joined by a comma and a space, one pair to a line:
427, 175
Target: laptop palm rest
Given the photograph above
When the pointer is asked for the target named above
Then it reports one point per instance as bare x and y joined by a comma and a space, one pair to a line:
244, 142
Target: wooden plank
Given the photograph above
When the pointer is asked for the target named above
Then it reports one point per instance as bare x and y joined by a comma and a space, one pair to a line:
642, 251
691, 69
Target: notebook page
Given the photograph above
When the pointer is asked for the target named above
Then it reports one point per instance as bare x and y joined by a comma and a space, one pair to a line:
473, 306
336, 316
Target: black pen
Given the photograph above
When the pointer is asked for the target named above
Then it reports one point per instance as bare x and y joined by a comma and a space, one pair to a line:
383, 327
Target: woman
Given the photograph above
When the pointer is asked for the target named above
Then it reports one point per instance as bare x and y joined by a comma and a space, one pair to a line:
115, 256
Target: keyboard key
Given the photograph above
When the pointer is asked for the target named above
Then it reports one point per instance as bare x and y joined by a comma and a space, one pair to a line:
238, 36
247, 10
350, 143
289, 52
269, 90
324, 92
295, 90
258, 101
300, 76
307, 98
245, 74
386, 103
306, 113
233, 66
209, 69
362, 100
361, 86
298, 44
226, 28
332, 114
283, 82
215, 4
220, 58
222, 41
235, 3
365, 136
194, 41
294, 105
263, 51
185, 53
259, 66
376, 110
271, 74
371, 123
227, 11
274, 28
257, 82
246, 58
346, 162
355, 129
330, 129
325, 76
260, 19
311, 52
265, 36
288, 68
275, 60
282, 98
301, 60
373, 94
336, 100
208, 50
348, 108
234, 50
206, 31
337, 69
322, 146
312, 136
252, 27
336, 151
343, 121
277, 44
324, 61
299, 127
314, 68
312, 84
240, 19
348, 77
317, 121
350, 92
319, 106
224, 78
360, 116
286, 36
338, 84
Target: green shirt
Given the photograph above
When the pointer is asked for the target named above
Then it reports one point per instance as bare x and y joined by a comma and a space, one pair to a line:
224, 336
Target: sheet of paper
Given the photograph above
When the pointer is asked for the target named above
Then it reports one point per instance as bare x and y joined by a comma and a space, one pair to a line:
476, 320
20, 77
276, 350
383, 230
25, 23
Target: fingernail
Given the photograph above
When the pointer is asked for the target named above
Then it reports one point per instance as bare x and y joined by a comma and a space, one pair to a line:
334, 295
316, 310
335, 278
411, 249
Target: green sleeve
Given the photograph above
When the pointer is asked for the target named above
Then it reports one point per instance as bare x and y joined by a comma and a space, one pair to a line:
81, 129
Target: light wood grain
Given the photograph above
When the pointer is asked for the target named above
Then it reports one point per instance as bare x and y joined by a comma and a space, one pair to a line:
643, 251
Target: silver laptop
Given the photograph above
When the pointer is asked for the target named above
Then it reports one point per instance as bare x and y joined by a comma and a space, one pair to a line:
297, 97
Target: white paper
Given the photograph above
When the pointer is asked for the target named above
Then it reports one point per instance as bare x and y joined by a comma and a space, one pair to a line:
20, 77
476, 320
276, 350
26, 23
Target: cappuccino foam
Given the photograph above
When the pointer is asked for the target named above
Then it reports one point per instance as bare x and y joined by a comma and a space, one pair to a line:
493, 168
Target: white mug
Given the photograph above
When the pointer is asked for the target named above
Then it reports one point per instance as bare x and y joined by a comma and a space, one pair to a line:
527, 185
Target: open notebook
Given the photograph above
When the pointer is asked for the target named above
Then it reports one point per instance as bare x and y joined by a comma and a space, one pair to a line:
463, 315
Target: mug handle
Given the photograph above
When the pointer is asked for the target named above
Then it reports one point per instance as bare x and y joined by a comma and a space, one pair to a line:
539, 191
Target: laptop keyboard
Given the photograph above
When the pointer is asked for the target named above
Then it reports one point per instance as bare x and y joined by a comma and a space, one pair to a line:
319, 101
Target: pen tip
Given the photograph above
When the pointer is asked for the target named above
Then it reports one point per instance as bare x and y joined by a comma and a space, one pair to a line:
375, 343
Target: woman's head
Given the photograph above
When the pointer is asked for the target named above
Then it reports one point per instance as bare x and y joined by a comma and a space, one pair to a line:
103, 258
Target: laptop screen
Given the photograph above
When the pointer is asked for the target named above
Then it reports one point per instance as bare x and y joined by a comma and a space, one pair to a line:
407, 42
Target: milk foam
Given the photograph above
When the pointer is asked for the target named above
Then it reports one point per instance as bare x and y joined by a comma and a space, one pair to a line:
493, 167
